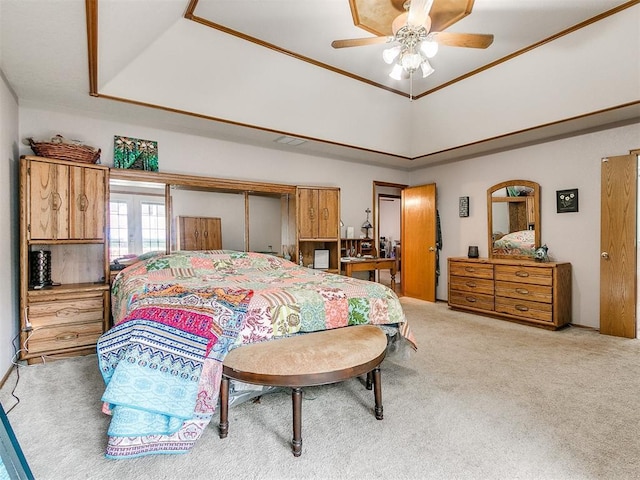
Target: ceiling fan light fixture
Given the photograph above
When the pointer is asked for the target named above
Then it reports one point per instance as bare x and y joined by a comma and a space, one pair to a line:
390, 54
411, 61
396, 72
429, 48
426, 68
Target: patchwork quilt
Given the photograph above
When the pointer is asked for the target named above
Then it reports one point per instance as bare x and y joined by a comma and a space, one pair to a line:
176, 316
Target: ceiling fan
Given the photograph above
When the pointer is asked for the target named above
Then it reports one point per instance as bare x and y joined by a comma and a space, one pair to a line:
415, 42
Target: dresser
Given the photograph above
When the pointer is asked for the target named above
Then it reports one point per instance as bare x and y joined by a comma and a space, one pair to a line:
524, 291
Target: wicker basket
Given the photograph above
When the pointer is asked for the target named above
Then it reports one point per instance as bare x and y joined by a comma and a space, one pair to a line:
65, 151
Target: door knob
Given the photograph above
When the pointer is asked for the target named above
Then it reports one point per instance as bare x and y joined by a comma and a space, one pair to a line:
605, 255
432, 249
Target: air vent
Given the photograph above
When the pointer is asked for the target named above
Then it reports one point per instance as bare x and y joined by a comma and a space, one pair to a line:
294, 142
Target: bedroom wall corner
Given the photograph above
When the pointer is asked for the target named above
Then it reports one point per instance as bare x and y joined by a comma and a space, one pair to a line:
9, 119
572, 162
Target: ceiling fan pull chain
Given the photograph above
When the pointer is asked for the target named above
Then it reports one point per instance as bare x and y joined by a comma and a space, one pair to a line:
411, 86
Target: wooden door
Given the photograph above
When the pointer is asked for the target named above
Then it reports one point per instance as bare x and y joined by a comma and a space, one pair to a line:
328, 213
307, 213
86, 203
418, 242
211, 238
618, 246
49, 201
189, 233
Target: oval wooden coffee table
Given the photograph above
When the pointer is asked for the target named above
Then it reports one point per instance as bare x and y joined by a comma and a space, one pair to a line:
317, 358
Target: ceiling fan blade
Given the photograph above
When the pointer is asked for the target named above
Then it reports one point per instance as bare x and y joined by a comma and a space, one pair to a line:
358, 42
469, 40
419, 12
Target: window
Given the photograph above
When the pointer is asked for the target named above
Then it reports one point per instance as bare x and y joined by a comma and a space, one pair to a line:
119, 229
153, 227
137, 224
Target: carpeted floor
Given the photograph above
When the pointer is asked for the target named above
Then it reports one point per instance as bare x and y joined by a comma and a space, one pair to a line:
481, 399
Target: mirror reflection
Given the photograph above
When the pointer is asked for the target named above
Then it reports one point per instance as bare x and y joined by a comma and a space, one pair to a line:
159, 215
513, 219
137, 218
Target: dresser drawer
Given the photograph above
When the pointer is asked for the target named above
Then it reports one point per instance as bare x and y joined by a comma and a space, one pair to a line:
474, 300
524, 274
469, 284
470, 269
61, 312
65, 336
525, 291
525, 309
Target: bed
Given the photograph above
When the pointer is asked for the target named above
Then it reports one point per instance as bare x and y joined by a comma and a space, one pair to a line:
515, 243
177, 315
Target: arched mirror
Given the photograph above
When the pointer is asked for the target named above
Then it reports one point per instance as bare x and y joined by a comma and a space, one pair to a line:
513, 211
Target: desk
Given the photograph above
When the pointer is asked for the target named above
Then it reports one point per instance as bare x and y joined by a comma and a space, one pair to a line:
371, 265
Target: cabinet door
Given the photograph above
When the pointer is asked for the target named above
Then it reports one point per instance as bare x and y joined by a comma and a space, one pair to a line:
189, 230
328, 214
307, 213
86, 203
49, 201
211, 238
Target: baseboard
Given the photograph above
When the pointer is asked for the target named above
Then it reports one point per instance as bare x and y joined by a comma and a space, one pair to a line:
593, 329
6, 376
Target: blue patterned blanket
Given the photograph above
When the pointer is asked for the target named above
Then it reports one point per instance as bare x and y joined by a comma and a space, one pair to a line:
153, 363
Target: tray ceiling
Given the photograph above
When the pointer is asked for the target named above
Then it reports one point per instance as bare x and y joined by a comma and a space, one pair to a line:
48, 64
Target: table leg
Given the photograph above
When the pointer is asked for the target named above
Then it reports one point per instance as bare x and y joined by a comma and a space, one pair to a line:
377, 392
393, 279
224, 407
296, 443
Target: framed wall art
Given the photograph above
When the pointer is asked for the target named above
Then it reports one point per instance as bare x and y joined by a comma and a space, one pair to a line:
567, 200
463, 207
135, 153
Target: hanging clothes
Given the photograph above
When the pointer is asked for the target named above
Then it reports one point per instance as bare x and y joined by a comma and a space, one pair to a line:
438, 245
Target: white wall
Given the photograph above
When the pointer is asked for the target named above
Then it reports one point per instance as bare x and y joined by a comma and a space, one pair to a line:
562, 164
8, 224
191, 154
389, 214
568, 163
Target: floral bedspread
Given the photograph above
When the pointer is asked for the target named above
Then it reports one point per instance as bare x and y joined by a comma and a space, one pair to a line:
176, 316
516, 243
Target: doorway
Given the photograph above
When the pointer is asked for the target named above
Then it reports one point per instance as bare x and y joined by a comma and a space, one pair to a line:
387, 215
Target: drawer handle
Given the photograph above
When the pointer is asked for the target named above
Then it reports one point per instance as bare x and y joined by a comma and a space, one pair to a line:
471, 299
520, 273
67, 312
522, 308
471, 284
469, 269
67, 336
522, 291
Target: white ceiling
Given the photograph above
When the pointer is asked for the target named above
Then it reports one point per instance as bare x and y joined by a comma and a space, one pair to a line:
44, 57
307, 28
